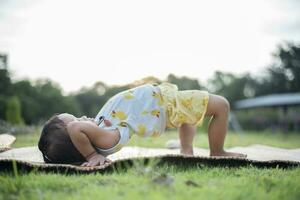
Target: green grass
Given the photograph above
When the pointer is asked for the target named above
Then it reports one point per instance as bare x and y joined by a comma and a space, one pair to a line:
175, 182
205, 183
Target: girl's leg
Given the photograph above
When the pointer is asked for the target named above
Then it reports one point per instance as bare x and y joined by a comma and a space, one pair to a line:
218, 108
186, 136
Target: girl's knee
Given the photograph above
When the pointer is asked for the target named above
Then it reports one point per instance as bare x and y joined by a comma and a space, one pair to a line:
225, 105
217, 105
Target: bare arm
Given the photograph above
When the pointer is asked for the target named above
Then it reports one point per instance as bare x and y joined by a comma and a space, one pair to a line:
85, 134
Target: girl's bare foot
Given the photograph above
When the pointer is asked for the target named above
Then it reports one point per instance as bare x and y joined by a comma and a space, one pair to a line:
229, 154
188, 152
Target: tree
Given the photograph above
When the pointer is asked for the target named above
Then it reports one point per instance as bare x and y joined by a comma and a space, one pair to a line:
184, 83
5, 90
28, 96
231, 86
283, 75
42, 99
90, 100
6, 85
51, 99
288, 63
2, 106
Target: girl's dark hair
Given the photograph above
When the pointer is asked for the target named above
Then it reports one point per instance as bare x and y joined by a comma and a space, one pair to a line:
56, 145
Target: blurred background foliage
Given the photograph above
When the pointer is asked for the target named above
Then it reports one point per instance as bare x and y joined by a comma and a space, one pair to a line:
34, 101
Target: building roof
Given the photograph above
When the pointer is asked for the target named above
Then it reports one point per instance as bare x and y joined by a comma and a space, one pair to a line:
269, 100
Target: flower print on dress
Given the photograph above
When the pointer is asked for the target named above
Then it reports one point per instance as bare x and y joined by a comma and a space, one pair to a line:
154, 112
141, 130
157, 96
118, 114
128, 95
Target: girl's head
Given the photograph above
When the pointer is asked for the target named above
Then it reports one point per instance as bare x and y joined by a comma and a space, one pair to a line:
55, 142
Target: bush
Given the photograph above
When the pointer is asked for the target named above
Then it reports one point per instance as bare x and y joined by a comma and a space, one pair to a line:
14, 129
13, 110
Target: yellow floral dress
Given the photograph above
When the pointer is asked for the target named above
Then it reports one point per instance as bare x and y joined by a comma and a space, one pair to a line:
139, 110
187, 106
148, 109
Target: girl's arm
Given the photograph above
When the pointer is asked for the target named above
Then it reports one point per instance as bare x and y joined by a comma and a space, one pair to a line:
85, 134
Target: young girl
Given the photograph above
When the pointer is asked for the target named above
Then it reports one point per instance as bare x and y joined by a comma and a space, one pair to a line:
145, 110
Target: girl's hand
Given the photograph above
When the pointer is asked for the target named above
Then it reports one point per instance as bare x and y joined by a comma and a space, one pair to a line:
107, 122
96, 159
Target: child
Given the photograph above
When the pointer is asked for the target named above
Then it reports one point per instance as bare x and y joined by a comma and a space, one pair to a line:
144, 110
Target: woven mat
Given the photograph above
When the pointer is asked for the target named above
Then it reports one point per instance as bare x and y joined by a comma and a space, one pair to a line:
30, 158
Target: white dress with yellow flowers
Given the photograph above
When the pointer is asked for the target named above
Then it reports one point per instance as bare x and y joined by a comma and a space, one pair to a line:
139, 110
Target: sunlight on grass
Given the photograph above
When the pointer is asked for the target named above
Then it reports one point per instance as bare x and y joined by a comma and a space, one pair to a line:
208, 183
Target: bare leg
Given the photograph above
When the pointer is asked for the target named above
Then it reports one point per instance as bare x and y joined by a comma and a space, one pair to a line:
218, 108
186, 136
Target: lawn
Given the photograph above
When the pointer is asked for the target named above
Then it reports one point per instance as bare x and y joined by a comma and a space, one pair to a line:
167, 181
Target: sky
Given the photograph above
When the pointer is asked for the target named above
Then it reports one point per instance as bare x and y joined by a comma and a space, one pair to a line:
78, 42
